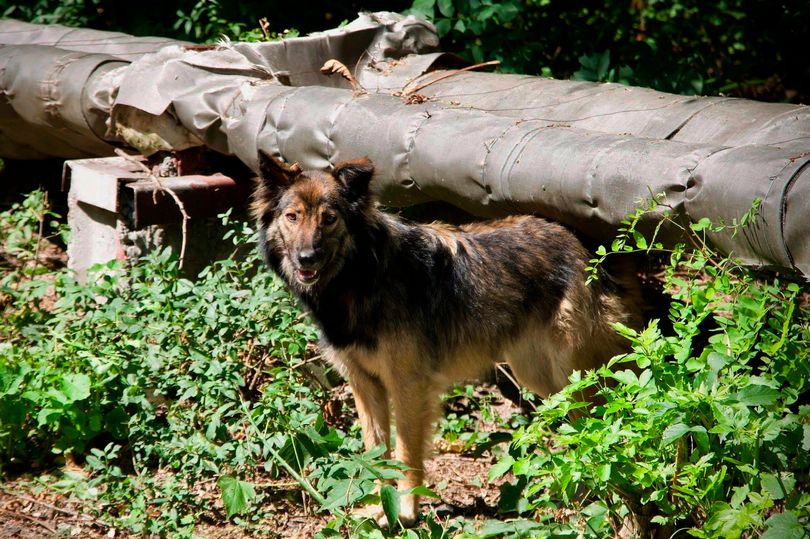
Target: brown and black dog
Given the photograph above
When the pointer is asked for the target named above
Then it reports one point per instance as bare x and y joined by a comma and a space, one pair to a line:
406, 309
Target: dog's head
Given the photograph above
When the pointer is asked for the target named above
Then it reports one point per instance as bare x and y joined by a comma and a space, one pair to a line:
304, 217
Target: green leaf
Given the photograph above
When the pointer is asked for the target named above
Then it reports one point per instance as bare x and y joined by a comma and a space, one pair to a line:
740, 493
522, 466
641, 241
604, 65
487, 12
701, 437
442, 27
728, 522
717, 361
389, 498
422, 490
236, 495
626, 377
501, 467
784, 526
774, 487
694, 364
47, 415
75, 387
757, 395
446, 7
425, 7
673, 432
603, 472
702, 224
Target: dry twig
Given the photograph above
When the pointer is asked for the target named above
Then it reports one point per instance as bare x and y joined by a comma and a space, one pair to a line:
264, 26
29, 518
511, 378
162, 188
52, 507
406, 93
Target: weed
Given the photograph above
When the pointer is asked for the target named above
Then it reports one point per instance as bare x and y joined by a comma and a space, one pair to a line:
139, 370
704, 430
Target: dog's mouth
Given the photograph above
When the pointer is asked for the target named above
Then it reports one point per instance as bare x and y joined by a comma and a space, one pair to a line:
307, 276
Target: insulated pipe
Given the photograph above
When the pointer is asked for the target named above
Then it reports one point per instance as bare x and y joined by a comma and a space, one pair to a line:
51, 103
493, 166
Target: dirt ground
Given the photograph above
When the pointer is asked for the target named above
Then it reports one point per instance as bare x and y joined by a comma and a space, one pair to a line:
31, 513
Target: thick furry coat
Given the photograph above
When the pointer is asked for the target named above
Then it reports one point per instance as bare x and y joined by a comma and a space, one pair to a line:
406, 309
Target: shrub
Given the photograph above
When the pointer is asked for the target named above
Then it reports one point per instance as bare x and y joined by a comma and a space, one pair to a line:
740, 46
139, 369
705, 426
168, 387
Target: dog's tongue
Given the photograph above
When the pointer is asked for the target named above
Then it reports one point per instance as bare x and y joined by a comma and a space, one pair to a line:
306, 274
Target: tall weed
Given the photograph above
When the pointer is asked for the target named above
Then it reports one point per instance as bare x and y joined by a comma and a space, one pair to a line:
704, 427
164, 385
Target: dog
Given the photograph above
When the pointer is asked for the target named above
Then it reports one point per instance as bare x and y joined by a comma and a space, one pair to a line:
407, 309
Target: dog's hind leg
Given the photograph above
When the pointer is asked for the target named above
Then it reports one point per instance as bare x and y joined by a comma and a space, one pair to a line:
371, 399
539, 360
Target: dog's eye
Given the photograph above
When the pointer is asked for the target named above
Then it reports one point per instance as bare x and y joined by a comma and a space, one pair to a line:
291, 217
329, 218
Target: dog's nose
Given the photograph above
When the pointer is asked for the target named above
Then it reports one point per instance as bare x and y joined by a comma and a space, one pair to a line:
306, 256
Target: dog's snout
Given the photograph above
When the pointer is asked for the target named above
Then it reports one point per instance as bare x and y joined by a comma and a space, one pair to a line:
307, 256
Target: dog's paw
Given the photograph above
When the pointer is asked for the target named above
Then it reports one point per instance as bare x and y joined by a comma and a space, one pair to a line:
408, 514
408, 510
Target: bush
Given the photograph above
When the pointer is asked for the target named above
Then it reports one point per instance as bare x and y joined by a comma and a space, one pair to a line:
139, 370
192, 20
704, 428
167, 387
742, 47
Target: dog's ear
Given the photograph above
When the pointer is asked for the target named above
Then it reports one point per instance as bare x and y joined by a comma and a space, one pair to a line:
274, 178
274, 171
354, 177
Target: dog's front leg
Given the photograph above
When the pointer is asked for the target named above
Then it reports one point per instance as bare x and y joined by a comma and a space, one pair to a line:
415, 400
371, 400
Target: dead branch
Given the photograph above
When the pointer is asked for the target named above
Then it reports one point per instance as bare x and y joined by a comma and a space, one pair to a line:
511, 378
162, 188
30, 518
448, 75
264, 25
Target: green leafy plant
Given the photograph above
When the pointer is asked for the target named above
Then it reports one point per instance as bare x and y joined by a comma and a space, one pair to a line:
205, 22
205, 379
67, 12
163, 386
597, 68
684, 46
702, 427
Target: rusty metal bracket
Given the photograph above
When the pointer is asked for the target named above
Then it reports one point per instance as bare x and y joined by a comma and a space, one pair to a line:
142, 204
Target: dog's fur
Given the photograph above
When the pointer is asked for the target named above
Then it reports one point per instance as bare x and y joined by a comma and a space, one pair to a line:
406, 309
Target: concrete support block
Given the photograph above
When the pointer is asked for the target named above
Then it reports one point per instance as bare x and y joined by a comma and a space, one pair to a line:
116, 211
